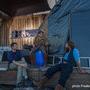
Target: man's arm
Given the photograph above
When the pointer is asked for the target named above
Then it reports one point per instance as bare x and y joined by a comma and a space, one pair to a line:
20, 64
16, 63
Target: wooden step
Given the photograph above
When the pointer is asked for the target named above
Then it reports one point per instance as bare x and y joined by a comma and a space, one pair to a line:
31, 88
28, 88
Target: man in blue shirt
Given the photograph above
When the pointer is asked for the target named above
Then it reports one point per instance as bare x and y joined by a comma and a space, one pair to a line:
16, 60
71, 58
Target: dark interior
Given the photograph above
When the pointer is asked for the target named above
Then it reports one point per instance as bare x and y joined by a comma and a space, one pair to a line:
22, 7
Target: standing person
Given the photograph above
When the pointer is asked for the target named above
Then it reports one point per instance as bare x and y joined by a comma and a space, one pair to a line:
71, 57
16, 60
39, 45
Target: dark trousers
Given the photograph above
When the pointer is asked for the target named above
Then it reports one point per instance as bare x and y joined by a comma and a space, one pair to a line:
65, 69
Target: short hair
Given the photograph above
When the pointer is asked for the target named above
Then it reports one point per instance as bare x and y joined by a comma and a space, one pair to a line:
71, 44
12, 44
39, 32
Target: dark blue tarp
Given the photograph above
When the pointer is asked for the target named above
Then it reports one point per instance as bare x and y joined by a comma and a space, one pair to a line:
80, 23
58, 35
59, 23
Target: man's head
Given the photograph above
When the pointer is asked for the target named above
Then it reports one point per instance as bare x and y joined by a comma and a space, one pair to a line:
14, 46
40, 33
69, 45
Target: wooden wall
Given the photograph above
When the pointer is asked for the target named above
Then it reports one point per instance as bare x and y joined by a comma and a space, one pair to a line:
19, 23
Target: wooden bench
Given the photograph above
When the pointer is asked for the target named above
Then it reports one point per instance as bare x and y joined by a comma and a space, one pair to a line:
75, 79
7, 76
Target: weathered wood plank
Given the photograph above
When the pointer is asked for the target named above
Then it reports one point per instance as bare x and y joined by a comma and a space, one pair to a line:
8, 77
75, 79
29, 88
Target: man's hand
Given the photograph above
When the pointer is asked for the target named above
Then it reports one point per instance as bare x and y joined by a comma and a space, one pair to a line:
23, 65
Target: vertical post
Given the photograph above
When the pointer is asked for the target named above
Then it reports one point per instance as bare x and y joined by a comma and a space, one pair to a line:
53, 59
80, 61
60, 60
89, 62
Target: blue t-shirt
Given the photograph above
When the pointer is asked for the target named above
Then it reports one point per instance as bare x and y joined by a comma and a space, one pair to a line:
76, 55
14, 56
39, 56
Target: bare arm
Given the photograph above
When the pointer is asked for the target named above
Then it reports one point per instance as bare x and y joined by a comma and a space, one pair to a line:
80, 70
79, 67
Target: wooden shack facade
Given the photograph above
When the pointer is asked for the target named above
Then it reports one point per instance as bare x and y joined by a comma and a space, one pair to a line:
19, 23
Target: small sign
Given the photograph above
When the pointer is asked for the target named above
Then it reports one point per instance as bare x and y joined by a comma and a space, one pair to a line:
24, 33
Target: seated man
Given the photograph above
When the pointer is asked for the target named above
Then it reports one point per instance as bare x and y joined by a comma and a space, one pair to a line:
71, 57
16, 60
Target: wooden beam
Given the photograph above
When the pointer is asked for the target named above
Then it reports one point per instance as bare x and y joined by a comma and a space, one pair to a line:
4, 15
